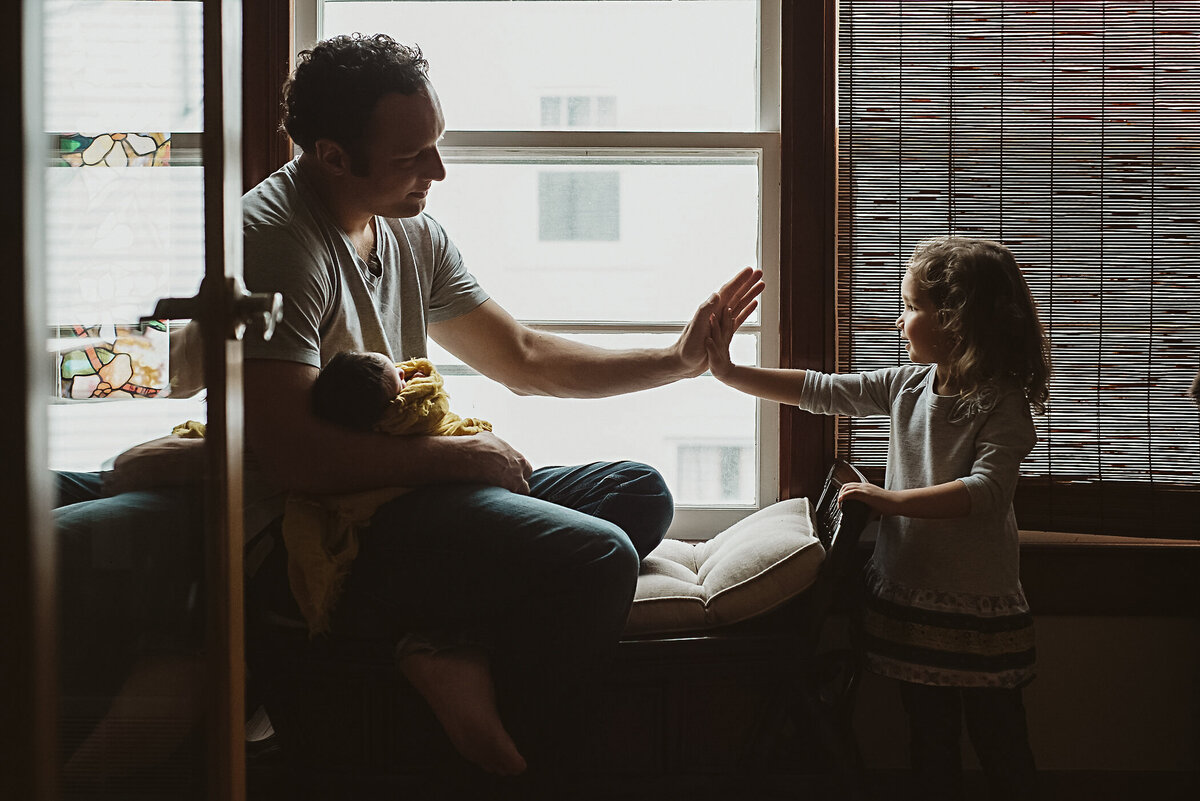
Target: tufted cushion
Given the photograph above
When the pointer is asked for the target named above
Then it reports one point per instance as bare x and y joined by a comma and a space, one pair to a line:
750, 568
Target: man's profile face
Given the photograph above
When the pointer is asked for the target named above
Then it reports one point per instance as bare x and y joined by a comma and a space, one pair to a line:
402, 158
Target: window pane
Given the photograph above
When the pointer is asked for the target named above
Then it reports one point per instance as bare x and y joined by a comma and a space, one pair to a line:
699, 433
674, 66
83, 436
674, 233
119, 239
124, 211
112, 65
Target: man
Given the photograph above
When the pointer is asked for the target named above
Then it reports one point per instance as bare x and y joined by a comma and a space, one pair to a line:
488, 565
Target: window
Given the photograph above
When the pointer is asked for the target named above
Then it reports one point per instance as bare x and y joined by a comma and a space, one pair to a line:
606, 235
1067, 131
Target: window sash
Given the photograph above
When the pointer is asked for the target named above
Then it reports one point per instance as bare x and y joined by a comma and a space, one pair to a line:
691, 522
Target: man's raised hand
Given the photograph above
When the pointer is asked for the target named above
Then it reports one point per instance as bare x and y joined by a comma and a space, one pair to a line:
739, 297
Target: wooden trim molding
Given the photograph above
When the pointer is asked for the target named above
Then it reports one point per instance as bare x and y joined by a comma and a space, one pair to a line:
28, 667
266, 63
807, 227
1085, 575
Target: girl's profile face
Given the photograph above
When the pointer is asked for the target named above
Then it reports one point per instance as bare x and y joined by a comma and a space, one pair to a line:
925, 339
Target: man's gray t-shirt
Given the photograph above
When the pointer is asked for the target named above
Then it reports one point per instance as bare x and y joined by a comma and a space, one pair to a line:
332, 299
335, 301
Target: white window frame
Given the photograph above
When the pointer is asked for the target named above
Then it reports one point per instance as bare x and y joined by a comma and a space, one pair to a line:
691, 522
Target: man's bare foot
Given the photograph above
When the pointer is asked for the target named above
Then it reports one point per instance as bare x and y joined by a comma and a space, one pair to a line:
457, 685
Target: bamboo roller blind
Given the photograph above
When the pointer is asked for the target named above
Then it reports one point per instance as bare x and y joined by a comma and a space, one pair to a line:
1070, 131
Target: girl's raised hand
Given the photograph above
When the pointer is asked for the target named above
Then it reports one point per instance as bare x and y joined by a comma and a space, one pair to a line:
721, 325
740, 296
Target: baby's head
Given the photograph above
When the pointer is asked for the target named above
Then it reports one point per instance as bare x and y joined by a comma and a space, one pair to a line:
354, 389
987, 312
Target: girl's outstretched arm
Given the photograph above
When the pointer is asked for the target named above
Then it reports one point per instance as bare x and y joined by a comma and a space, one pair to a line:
939, 501
778, 385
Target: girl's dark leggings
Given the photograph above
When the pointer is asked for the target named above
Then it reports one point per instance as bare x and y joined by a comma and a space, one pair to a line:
996, 725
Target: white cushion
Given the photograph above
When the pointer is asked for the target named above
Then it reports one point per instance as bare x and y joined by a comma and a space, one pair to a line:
749, 568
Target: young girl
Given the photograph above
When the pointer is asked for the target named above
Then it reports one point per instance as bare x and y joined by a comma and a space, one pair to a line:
945, 613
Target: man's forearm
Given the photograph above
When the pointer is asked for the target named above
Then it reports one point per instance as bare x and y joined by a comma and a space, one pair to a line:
562, 368
297, 451
330, 460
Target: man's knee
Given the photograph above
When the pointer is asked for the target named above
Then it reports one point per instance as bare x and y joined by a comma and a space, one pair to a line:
609, 555
641, 504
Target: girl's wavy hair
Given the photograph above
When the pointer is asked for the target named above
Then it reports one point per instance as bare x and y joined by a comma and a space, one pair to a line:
988, 313
336, 84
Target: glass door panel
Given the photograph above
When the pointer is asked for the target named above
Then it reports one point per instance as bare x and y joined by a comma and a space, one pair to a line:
123, 85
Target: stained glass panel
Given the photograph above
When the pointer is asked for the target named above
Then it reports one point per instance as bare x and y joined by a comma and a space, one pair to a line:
113, 361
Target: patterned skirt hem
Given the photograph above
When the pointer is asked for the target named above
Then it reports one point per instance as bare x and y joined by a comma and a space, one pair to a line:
941, 677
943, 601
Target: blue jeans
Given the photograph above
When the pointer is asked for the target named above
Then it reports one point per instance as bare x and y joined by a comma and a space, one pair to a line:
543, 582
130, 568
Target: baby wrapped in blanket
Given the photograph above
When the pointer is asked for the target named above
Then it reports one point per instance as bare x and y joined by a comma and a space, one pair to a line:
362, 391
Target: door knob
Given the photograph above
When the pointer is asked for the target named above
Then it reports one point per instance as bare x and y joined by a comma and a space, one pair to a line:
256, 311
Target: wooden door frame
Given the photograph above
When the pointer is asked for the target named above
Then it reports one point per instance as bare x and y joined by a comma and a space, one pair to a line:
27, 580
224, 618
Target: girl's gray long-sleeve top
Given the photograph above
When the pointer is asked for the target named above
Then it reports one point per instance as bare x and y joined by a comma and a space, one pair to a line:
933, 442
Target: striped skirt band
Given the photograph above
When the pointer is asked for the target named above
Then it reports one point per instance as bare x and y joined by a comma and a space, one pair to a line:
947, 648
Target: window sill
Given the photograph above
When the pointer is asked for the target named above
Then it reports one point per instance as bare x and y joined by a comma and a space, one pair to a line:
1088, 574
1051, 539
1097, 575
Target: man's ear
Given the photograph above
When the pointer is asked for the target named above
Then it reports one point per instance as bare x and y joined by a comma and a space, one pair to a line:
332, 157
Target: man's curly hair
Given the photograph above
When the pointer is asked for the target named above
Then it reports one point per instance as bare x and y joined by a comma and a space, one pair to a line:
337, 83
989, 315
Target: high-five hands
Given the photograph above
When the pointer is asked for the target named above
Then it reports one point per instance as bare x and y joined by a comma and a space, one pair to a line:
738, 300
721, 326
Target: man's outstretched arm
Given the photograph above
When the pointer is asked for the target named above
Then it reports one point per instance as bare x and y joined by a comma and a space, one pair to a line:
300, 452
530, 362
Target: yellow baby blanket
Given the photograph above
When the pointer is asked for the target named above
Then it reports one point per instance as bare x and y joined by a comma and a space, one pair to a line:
321, 531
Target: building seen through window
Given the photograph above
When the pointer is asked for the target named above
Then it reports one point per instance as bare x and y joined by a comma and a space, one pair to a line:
579, 111
579, 206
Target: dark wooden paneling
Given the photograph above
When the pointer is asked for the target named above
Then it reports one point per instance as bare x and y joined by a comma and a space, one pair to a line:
267, 59
807, 247
1103, 579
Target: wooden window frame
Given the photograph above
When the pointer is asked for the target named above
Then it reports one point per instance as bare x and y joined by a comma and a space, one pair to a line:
806, 239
